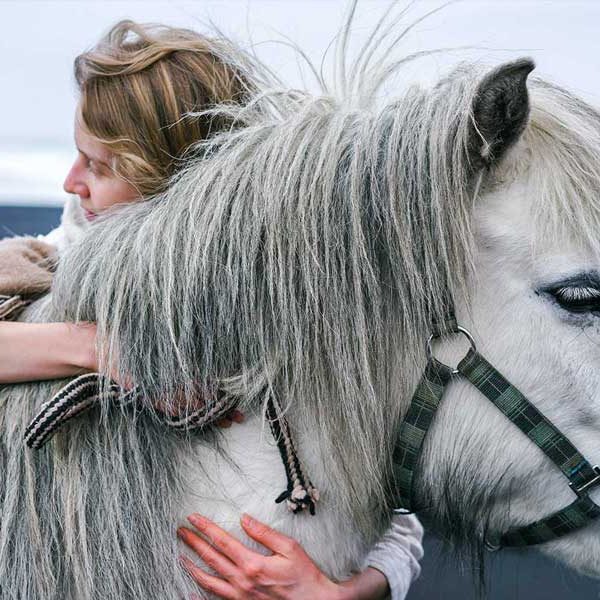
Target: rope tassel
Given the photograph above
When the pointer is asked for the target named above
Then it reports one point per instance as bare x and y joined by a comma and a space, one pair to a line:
300, 493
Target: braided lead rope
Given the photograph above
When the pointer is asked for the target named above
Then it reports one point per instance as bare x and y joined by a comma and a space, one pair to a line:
202, 417
300, 493
83, 392
71, 400
11, 306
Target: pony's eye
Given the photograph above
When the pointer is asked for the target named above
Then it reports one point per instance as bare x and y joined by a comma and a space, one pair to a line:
577, 298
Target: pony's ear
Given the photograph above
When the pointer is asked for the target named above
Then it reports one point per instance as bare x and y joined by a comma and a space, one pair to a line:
500, 112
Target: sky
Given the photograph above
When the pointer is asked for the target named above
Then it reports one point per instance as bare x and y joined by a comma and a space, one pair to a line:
41, 38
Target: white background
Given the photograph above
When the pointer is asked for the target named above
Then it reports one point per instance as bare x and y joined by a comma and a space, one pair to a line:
40, 39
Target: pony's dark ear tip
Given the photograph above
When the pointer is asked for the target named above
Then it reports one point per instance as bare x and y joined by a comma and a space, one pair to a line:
522, 65
521, 69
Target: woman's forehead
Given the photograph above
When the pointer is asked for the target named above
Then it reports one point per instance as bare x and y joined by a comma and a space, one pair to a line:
90, 145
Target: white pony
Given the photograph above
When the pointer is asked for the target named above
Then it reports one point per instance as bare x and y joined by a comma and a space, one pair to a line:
304, 254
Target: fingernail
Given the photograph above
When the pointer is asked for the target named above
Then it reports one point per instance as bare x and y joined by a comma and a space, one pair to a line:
247, 520
197, 520
182, 532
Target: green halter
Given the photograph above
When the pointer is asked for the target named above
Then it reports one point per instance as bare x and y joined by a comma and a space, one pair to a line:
512, 403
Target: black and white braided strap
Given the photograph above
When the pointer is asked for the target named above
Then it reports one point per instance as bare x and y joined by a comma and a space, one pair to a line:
203, 416
73, 399
11, 306
300, 494
82, 393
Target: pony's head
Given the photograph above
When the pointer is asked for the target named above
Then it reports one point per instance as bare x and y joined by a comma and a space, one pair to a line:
306, 254
532, 304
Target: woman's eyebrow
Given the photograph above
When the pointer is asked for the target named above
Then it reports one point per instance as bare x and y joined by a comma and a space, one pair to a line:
95, 159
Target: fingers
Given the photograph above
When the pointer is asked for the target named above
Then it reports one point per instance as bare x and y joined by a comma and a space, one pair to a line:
221, 540
233, 416
210, 583
237, 416
271, 539
214, 559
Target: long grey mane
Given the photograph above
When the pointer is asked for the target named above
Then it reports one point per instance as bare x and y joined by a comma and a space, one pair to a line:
303, 253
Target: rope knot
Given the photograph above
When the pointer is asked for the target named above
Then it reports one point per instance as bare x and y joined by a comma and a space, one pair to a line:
300, 498
300, 493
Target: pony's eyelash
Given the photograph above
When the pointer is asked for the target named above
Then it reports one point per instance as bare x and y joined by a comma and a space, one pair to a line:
577, 294
577, 298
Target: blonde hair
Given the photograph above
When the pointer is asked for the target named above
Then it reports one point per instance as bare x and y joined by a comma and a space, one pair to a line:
138, 85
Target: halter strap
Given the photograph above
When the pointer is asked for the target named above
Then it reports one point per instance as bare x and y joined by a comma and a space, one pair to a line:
582, 476
414, 428
515, 407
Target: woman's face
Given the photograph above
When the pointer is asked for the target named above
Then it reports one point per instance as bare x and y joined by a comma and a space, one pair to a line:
92, 178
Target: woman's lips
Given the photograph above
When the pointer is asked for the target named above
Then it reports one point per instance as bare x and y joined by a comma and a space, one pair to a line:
89, 215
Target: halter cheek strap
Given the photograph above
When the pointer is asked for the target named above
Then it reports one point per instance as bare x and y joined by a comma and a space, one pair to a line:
581, 475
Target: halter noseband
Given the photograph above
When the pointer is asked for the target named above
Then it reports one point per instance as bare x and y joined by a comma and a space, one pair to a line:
582, 476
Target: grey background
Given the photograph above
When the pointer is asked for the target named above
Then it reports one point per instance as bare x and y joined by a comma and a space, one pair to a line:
39, 40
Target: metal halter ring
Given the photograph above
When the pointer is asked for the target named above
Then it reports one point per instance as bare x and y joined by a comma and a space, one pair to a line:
458, 329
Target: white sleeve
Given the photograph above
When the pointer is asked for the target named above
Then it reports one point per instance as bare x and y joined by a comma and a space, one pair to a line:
55, 237
397, 554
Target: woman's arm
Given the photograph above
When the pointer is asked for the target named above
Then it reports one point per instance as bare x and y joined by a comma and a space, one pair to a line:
288, 574
397, 554
37, 351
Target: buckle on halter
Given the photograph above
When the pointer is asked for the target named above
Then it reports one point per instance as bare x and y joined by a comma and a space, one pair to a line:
458, 329
583, 489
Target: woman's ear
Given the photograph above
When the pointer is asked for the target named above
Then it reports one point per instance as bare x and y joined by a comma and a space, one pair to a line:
500, 112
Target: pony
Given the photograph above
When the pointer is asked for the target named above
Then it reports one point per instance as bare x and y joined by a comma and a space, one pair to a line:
304, 255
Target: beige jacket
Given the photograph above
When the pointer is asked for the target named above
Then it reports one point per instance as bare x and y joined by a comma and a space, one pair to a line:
27, 264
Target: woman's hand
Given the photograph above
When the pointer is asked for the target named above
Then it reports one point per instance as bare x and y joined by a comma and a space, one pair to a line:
288, 574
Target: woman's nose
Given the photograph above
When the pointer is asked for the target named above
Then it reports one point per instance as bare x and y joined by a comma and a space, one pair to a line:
75, 184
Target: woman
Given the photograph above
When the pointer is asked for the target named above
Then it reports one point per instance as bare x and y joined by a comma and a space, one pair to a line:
131, 134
